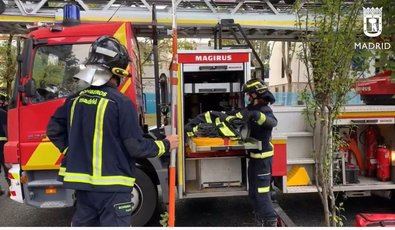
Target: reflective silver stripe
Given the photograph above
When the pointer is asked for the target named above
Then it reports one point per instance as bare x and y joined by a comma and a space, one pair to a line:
99, 180
262, 118
106, 52
207, 115
3, 138
98, 137
265, 174
264, 189
161, 148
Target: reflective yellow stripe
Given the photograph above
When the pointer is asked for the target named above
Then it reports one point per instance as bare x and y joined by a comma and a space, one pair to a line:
72, 110
161, 148
190, 134
239, 115
255, 83
262, 155
229, 118
264, 189
3, 138
224, 128
62, 171
262, 119
98, 137
195, 129
207, 115
99, 180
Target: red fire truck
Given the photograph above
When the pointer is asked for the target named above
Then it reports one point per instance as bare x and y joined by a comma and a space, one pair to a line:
49, 59
378, 89
207, 80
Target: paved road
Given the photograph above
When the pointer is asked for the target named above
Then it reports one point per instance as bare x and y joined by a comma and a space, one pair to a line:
303, 209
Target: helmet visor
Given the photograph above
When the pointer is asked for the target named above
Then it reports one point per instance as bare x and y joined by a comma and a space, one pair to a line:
94, 75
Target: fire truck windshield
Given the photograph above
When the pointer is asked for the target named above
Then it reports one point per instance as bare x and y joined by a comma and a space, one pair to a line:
53, 70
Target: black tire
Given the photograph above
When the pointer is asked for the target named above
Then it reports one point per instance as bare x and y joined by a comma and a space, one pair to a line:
148, 199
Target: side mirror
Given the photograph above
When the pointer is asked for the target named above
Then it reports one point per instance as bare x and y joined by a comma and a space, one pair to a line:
30, 88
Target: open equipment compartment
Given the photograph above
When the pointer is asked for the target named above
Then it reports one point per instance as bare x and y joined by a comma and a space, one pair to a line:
212, 80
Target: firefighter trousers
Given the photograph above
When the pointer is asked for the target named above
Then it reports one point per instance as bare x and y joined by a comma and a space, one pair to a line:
102, 209
259, 178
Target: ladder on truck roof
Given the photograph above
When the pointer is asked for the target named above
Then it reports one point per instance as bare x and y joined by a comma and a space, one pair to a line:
236, 31
260, 19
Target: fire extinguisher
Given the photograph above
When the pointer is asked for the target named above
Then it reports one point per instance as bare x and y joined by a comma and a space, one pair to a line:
383, 163
371, 135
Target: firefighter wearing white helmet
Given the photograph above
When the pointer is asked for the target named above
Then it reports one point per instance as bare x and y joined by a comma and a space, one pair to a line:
98, 132
261, 122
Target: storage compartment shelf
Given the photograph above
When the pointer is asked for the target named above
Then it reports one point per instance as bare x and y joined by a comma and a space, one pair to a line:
193, 190
227, 145
366, 183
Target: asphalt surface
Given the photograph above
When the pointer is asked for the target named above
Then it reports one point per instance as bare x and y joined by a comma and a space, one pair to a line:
303, 209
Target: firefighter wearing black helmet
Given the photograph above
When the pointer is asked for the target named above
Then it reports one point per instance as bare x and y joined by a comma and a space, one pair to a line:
98, 132
261, 122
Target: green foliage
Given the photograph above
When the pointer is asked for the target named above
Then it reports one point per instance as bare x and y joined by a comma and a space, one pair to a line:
329, 34
164, 50
45, 73
7, 64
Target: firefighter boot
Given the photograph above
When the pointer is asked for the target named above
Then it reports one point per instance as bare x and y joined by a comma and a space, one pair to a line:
268, 223
264, 222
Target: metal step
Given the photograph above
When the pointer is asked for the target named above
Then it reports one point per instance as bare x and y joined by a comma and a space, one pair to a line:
301, 189
54, 204
297, 161
44, 183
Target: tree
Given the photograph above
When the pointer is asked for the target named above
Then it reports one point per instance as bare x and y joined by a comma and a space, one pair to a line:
328, 36
8, 63
288, 52
164, 47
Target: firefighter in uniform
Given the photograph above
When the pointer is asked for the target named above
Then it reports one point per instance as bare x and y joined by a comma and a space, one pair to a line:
97, 130
261, 121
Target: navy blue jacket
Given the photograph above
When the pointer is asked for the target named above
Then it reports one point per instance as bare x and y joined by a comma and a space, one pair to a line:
261, 128
98, 132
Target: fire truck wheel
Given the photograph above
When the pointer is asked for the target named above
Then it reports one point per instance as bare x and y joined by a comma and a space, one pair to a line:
145, 199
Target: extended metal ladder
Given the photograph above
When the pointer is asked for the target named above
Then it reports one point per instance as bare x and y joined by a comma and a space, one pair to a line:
260, 19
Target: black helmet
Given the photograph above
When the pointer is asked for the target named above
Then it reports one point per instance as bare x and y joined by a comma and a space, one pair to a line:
109, 53
258, 87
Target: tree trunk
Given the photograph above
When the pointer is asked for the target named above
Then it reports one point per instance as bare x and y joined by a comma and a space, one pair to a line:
324, 166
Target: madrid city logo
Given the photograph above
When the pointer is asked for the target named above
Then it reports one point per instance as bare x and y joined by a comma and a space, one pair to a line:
372, 27
372, 21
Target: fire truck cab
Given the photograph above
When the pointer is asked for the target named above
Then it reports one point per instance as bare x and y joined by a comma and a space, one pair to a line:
51, 56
